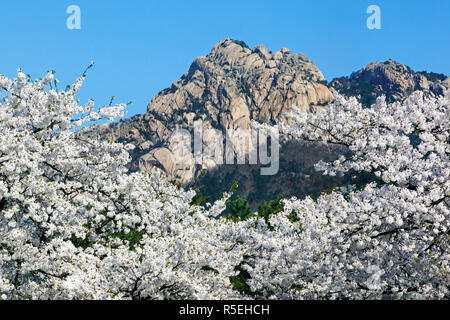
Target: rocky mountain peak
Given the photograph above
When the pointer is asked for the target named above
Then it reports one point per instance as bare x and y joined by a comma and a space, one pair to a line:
228, 49
392, 79
225, 89
248, 81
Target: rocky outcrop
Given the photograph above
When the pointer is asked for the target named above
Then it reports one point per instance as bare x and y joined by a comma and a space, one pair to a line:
390, 78
225, 89
233, 84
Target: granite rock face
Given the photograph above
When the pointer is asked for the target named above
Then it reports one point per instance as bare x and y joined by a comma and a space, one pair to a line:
234, 83
225, 89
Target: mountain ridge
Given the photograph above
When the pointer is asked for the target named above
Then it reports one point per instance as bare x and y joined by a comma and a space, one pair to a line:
390, 78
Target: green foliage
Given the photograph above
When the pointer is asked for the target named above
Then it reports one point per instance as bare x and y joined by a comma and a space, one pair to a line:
238, 209
82, 243
232, 187
133, 237
239, 282
266, 209
176, 184
432, 76
208, 268
293, 217
199, 199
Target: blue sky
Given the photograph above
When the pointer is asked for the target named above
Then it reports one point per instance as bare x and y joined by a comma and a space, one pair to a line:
141, 47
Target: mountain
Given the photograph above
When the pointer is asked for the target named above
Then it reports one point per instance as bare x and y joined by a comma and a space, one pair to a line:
396, 81
225, 89
234, 84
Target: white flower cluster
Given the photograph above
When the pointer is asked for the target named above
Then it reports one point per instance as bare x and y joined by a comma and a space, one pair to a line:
388, 239
75, 224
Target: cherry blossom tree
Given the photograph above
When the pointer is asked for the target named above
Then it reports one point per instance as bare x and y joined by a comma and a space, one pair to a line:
74, 224
388, 239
